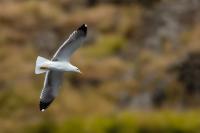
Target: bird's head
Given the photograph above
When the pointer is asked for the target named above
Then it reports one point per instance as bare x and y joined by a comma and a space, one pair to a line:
76, 69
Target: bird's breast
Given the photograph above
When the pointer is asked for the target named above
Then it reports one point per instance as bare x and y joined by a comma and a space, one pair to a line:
57, 66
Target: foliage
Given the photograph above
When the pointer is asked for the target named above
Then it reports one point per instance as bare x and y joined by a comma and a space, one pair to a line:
135, 122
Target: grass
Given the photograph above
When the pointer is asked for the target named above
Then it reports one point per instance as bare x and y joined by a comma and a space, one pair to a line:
106, 46
128, 122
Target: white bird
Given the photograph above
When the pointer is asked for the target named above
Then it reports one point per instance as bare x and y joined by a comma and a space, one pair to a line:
55, 67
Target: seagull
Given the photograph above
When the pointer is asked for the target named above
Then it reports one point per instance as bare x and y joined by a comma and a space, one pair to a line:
59, 64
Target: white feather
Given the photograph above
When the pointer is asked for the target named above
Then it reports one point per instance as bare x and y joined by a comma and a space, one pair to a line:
39, 62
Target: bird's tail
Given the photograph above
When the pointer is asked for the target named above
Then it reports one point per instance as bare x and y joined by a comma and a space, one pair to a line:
39, 67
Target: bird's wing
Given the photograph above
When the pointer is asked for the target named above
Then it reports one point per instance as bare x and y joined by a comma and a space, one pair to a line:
52, 83
71, 44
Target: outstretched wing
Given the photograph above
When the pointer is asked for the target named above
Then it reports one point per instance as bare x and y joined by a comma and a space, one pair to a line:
52, 83
71, 44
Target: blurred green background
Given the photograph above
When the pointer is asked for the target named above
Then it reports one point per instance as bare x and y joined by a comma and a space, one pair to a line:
140, 64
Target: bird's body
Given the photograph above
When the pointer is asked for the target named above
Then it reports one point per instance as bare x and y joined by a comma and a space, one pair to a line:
55, 67
58, 66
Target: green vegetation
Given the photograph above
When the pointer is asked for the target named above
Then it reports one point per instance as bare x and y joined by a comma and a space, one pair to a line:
106, 46
140, 122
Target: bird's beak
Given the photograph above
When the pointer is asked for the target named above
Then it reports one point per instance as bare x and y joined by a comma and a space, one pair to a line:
79, 71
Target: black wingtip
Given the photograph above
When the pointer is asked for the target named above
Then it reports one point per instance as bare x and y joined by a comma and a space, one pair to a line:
44, 105
83, 28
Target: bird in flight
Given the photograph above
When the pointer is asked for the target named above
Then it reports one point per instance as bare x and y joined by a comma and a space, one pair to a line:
55, 67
